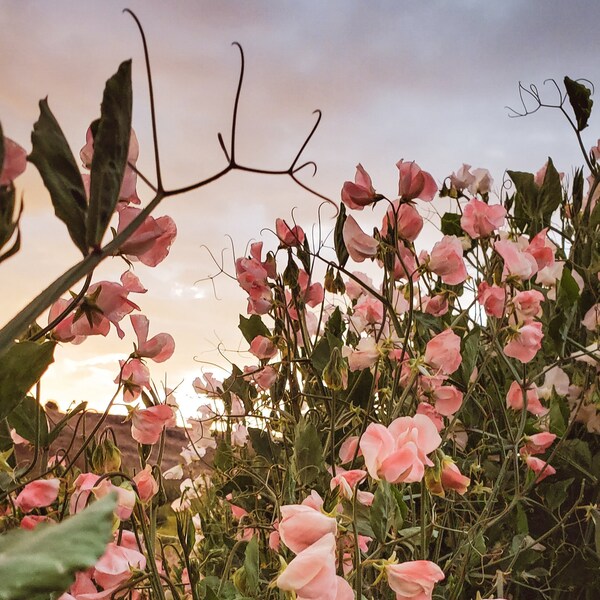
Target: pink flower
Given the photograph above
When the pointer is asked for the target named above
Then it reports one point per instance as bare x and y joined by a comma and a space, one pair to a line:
537, 443
517, 263
480, 219
542, 250
38, 494
147, 423
30, 522
289, 236
264, 377
364, 356
312, 574
15, 162
405, 265
151, 241
462, 178
114, 566
448, 399
442, 352
514, 399
348, 449
252, 274
263, 348
146, 485
527, 305
301, 526
436, 306
347, 481
126, 497
540, 467
447, 260
134, 376
159, 348
399, 452
83, 488
591, 320
424, 408
359, 245
493, 299
452, 478
482, 183
415, 183
361, 193
526, 342
405, 219
414, 580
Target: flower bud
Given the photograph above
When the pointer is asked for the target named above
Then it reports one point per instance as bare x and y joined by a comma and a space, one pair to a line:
335, 372
106, 457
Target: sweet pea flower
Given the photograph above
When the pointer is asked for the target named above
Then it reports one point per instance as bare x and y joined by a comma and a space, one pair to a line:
525, 344
514, 399
252, 274
346, 481
405, 265
360, 246
537, 443
134, 376
404, 219
147, 424
354, 290
159, 348
517, 263
364, 356
448, 399
361, 193
436, 306
263, 348
413, 580
125, 497
540, 467
542, 250
289, 237
414, 182
539, 177
312, 574
147, 486
301, 526
424, 408
480, 219
84, 484
528, 305
447, 260
591, 320
555, 379
482, 183
492, 298
15, 162
151, 241
399, 452
114, 566
348, 449
38, 494
442, 352
462, 179
452, 478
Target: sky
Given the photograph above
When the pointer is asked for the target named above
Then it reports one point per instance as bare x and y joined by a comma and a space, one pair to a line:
427, 81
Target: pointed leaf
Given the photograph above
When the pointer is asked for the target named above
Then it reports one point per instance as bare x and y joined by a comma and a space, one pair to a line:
382, 510
308, 453
111, 145
46, 559
579, 97
251, 565
551, 194
54, 160
252, 326
23, 418
340, 247
21, 367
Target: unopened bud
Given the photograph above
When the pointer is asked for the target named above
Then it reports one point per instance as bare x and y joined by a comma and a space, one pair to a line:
106, 457
335, 373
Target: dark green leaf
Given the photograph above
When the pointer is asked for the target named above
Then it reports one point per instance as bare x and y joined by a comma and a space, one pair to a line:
451, 225
252, 326
359, 387
382, 511
568, 290
581, 101
54, 160
21, 367
577, 191
557, 493
559, 414
469, 351
111, 145
24, 417
46, 559
550, 196
308, 453
263, 445
401, 509
320, 354
251, 565
340, 247
52, 435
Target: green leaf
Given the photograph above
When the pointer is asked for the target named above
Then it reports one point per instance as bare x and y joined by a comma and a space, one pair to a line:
451, 225
340, 247
251, 565
568, 290
469, 351
23, 418
550, 195
580, 99
21, 367
52, 435
557, 493
382, 511
401, 511
307, 459
111, 145
252, 326
54, 160
46, 559
559, 415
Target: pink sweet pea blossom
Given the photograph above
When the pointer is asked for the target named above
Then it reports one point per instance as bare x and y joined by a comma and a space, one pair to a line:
480, 219
146, 485
301, 526
310, 293
482, 183
134, 376
528, 305
346, 481
540, 467
514, 399
452, 478
126, 497
38, 494
348, 449
517, 263
436, 306
15, 162
360, 246
542, 250
84, 485
525, 343
361, 193
364, 356
462, 179
252, 274
159, 348
447, 260
151, 241
442, 352
493, 299
114, 566
414, 580
448, 399
537, 443
263, 348
289, 236
424, 408
404, 218
399, 452
147, 423
415, 183
405, 265
312, 574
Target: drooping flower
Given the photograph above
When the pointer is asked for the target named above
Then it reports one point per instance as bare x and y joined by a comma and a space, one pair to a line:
159, 348
301, 526
360, 246
515, 399
289, 236
526, 342
361, 193
147, 424
414, 182
447, 260
480, 219
414, 580
38, 494
443, 352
